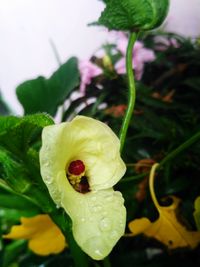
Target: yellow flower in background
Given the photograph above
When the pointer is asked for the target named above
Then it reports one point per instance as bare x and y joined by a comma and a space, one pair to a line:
166, 229
80, 163
196, 212
43, 235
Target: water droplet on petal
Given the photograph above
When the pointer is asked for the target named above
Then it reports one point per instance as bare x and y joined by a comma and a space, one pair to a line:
105, 224
82, 219
48, 180
57, 206
98, 252
121, 225
109, 198
114, 234
96, 208
93, 199
105, 213
47, 147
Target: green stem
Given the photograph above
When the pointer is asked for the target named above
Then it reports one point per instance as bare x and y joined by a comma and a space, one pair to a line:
132, 90
55, 51
133, 178
106, 262
181, 148
64, 223
168, 158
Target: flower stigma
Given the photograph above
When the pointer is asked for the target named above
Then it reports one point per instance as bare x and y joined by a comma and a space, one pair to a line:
76, 176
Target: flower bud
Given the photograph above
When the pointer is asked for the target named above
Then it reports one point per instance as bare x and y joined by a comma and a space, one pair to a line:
134, 15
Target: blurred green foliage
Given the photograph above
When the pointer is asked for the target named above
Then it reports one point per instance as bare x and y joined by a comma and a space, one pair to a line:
45, 95
4, 110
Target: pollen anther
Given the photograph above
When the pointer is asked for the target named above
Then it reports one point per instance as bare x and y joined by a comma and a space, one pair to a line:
76, 176
76, 167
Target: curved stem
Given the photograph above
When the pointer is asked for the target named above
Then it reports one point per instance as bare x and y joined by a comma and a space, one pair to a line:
134, 178
169, 157
151, 185
106, 262
132, 90
180, 148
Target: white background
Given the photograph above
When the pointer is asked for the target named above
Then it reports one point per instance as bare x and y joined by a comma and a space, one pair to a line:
27, 26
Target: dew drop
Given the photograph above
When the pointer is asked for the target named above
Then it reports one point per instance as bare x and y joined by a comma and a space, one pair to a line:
47, 147
46, 164
57, 206
109, 198
114, 234
93, 199
105, 224
121, 221
98, 252
48, 181
121, 225
116, 202
82, 219
106, 185
96, 208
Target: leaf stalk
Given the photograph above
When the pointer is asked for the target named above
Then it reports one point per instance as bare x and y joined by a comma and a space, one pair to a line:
132, 89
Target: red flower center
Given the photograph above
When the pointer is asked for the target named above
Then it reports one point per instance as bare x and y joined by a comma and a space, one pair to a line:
76, 167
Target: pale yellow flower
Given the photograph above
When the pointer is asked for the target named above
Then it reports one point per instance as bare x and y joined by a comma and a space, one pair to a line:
43, 235
80, 163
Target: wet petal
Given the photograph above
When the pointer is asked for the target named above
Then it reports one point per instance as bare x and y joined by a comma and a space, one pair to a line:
84, 139
98, 218
95, 144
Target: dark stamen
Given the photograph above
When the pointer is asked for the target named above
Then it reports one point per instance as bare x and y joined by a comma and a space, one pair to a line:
84, 185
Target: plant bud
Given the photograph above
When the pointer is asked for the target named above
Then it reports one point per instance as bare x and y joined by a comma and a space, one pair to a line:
133, 15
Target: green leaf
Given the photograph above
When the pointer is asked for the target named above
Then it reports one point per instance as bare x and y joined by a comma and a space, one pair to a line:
19, 161
17, 133
193, 82
10, 217
13, 172
13, 251
133, 14
14, 201
45, 95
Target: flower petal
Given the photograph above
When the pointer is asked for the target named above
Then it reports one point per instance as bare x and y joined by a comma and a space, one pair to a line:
85, 139
44, 236
88, 70
98, 217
